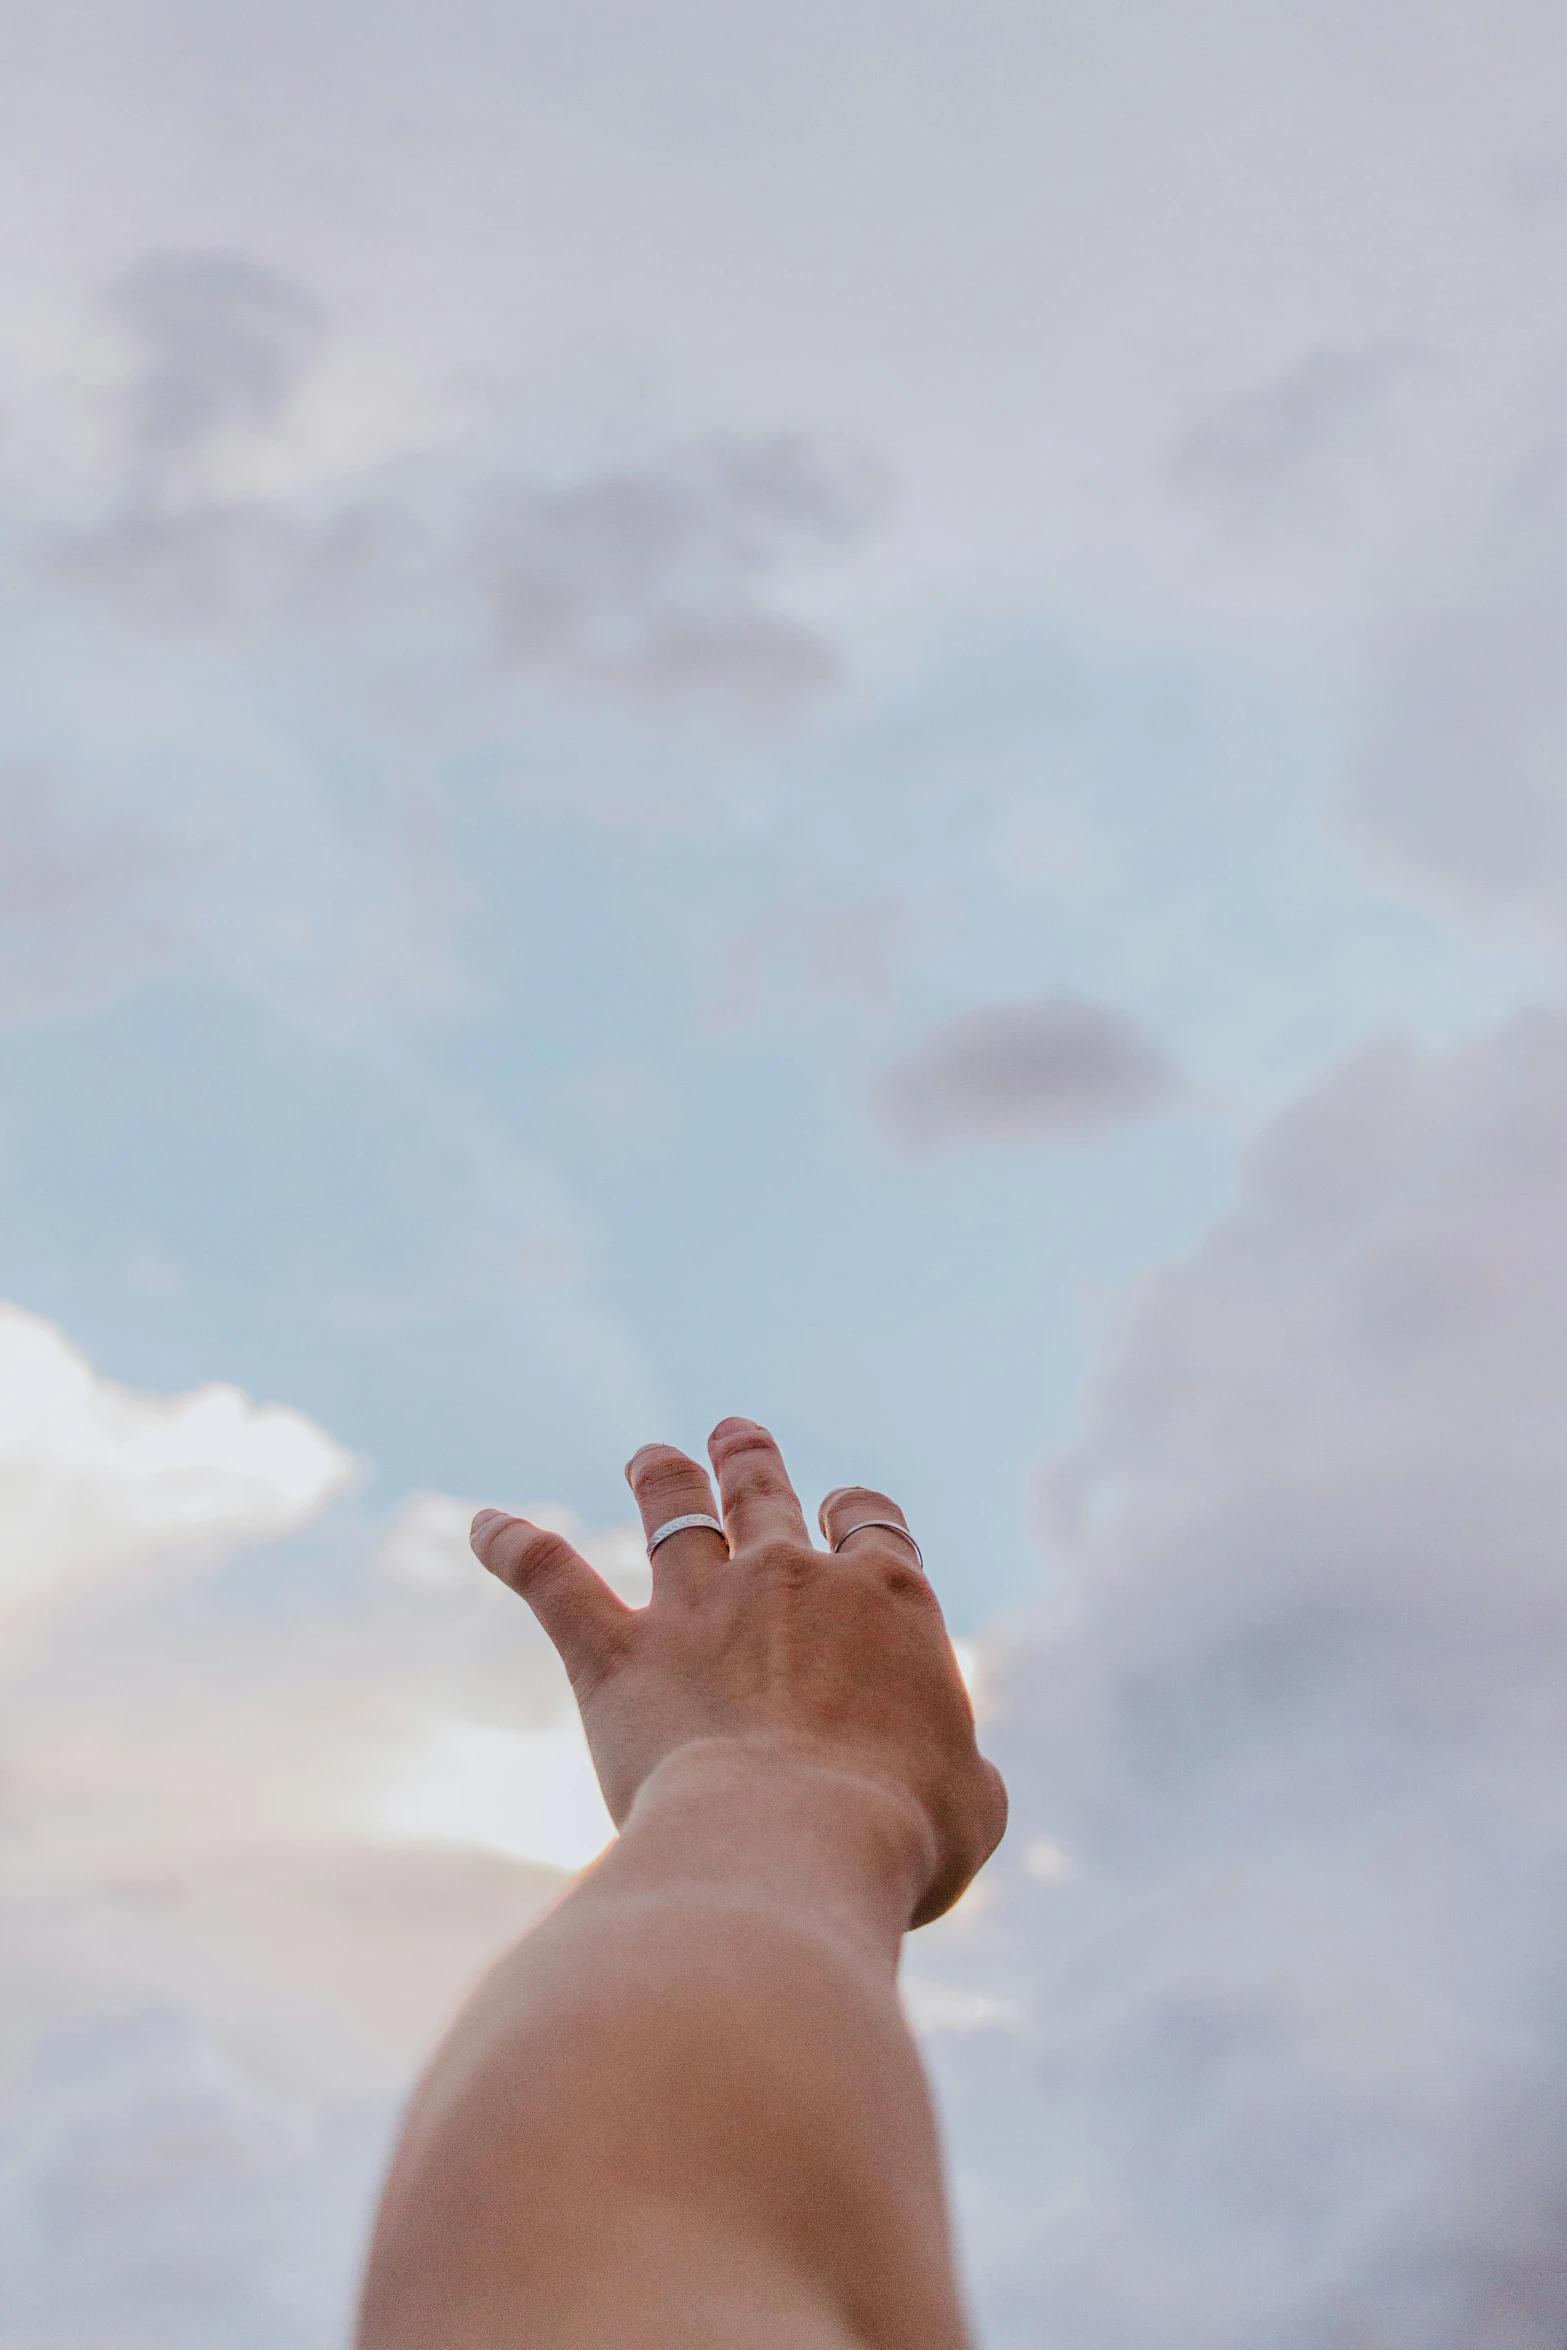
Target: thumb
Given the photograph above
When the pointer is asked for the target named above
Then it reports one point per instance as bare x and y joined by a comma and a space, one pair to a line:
590, 1626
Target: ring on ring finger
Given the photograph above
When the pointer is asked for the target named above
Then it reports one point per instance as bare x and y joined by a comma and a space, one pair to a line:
892, 1527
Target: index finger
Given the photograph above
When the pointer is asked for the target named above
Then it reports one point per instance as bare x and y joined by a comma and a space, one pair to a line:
668, 1485
590, 1625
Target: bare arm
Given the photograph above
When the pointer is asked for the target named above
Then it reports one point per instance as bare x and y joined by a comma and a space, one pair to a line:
685, 2110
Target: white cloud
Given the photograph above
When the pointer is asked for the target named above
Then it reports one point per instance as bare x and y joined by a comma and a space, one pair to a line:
100, 1485
1281, 1909
469, 1778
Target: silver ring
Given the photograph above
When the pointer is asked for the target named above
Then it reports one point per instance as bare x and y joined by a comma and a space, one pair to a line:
679, 1525
892, 1527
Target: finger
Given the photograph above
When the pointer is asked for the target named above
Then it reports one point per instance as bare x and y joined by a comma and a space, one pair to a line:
669, 1484
848, 1507
590, 1626
760, 1504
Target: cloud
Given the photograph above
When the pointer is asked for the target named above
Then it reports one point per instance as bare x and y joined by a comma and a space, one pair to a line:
648, 580
1276, 448
1458, 770
454, 598
1006, 1072
103, 1486
223, 344
1254, 2033
153, 2191
646, 583
189, 1689
267, 1775
267, 617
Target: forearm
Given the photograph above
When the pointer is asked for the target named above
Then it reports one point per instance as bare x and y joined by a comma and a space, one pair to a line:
686, 2108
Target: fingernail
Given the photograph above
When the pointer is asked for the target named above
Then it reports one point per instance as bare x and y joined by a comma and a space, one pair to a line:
483, 1520
737, 1427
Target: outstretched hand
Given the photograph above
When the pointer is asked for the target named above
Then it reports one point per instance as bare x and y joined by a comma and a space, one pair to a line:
756, 1638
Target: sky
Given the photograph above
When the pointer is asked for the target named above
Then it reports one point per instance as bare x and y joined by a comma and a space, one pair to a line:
855, 715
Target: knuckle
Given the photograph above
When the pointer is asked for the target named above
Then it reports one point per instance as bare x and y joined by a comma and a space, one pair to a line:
789, 1563
591, 1669
999, 1807
667, 1473
753, 1445
533, 1555
657, 1460
886, 1561
846, 1508
848, 1501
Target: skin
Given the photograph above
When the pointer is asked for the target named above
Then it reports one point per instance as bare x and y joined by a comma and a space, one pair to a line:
685, 2112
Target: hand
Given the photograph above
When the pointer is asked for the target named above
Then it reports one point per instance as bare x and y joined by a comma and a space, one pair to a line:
767, 1643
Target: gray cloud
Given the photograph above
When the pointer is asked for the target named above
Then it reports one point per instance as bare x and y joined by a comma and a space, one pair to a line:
1009, 1071
153, 2193
1259, 2033
223, 343
470, 593
191, 2146
651, 580
244, 568
1261, 451
1458, 778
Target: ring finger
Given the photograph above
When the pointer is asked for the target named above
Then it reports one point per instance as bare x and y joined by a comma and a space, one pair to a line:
856, 1517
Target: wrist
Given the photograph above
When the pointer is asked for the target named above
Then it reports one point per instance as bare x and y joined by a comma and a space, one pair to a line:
776, 1817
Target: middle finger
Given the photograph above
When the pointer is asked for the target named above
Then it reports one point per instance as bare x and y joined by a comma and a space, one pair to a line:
760, 1504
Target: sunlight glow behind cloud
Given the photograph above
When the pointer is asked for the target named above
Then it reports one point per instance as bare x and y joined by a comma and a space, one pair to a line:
529, 1793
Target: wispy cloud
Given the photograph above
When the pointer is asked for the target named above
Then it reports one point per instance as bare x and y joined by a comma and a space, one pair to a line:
264, 630
1276, 451
649, 579
92, 894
